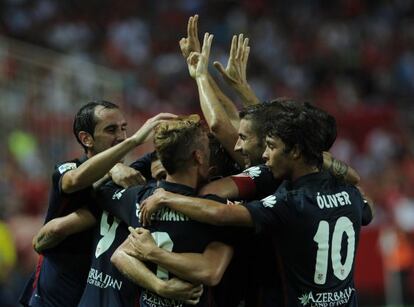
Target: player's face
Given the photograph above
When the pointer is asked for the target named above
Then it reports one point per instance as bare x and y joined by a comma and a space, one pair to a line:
248, 144
109, 130
279, 161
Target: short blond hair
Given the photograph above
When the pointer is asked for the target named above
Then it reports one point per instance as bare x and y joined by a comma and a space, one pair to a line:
176, 140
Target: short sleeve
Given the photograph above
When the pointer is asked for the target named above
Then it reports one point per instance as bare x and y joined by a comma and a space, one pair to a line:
271, 211
366, 214
255, 182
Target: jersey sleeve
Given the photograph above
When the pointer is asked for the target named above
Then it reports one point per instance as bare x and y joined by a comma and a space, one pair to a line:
60, 170
143, 165
367, 215
118, 201
61, 203
270, 212
255, 182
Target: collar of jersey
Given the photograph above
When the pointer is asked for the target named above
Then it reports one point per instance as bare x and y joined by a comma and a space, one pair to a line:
304, 180
83, 159
177, 188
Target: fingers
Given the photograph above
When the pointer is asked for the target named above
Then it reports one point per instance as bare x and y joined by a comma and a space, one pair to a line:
219, 67
189, 25
233, 48
193, 58
239, 47
208, 39
245, 48
192, 302
195, 27
133, 180
164, 115
195, 295
197, 291
145, 216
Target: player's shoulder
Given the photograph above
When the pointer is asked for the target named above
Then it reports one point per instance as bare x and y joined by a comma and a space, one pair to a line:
63, 167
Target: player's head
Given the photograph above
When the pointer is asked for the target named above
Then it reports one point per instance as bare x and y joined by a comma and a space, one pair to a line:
250, 142
252, 129
182, 145
158, 171
99, 125
294, 137
328, 123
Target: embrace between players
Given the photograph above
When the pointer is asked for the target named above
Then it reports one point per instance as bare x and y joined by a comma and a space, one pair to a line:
283, 232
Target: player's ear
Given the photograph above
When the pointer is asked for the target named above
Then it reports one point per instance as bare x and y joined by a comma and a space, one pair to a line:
86, 139
295, 152
198, 157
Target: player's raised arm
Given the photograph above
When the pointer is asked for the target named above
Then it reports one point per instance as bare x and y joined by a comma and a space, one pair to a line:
56, 230
235, 72
137, 272
217, 121
206, 268
97, 166
190, 44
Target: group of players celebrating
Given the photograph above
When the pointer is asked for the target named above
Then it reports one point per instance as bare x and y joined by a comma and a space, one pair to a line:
183, 224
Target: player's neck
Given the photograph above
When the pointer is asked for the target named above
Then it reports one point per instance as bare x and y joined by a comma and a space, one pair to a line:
303, 169
185, 178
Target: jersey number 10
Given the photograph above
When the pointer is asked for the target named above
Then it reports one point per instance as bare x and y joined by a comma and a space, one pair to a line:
341, 271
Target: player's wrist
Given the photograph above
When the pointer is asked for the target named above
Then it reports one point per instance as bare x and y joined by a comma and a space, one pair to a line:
202, 77
154, 254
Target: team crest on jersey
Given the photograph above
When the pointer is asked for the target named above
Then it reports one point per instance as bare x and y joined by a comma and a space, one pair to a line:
67, 166
118, 194
269, 201
253, 171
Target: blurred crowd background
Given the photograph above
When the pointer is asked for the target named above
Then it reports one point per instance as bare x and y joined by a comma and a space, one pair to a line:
353, 58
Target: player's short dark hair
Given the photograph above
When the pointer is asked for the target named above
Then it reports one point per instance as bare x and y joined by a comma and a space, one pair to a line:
259, 114
297, 126
328, 130
254, 114
328, 123
175, 141
85, 119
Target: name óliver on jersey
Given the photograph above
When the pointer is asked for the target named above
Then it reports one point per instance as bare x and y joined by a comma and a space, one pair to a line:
316, 223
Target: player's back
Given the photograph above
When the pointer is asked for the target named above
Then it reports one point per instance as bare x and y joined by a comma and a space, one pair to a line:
315, 224
319, 240
176, 232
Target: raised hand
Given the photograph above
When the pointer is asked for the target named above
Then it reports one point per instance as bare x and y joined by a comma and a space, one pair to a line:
190, 43
235, 72
145, 132
198, 62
